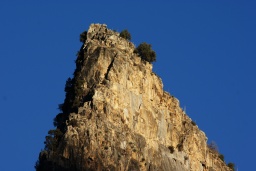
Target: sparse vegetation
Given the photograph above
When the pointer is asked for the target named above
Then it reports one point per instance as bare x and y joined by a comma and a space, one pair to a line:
125, 34
145, 52
214, 148
74, 98
74, 88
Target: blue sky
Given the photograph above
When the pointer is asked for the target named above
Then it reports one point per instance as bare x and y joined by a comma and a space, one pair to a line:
205, 57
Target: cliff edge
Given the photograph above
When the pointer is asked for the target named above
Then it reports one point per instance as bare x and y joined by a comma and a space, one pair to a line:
124, 119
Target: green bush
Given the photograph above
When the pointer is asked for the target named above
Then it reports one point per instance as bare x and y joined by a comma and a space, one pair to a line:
193, 123
73, 122
231, 166
221, 156
83, 36
171, 148
145, 52
125, 34
59, 120
52, 140
213, 147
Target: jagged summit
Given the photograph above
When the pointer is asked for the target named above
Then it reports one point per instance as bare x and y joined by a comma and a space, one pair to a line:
116, 116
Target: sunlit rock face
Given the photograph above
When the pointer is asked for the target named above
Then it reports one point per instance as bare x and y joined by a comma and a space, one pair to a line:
129, 123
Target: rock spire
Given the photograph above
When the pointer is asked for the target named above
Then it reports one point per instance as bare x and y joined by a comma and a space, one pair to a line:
125, 120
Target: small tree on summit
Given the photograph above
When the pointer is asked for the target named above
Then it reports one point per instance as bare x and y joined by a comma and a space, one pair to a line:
126, 35
145, 52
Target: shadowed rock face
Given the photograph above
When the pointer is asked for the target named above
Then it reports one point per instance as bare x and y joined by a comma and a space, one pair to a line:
127, 121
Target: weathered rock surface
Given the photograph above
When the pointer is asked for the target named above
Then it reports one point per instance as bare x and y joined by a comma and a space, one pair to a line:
129, 123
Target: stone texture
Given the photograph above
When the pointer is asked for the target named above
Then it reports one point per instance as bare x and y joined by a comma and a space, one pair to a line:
130, 123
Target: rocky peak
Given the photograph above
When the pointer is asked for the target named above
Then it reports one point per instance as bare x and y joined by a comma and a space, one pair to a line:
125, 120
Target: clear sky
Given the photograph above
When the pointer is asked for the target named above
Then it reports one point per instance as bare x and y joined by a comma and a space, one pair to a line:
205, 57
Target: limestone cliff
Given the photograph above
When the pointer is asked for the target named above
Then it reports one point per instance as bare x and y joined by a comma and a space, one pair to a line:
126, 121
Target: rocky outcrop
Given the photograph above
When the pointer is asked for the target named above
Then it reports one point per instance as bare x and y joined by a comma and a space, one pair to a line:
129, 122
